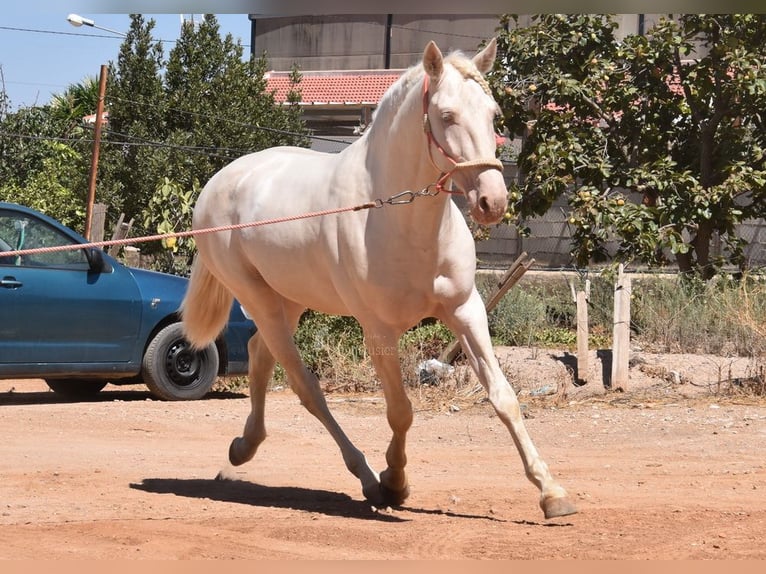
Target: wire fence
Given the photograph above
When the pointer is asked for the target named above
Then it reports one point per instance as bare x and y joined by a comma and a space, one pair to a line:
550, 241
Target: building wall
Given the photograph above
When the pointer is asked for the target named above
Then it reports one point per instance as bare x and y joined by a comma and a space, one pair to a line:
336, 42
361, 42
380, 41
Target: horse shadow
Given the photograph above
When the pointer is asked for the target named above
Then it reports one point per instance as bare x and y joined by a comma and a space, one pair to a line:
296, 498
253, 494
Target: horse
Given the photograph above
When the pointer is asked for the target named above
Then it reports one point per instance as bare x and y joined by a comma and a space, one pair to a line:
390, 266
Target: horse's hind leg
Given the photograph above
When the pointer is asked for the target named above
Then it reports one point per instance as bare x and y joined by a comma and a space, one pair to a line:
276, 319
469, 323
260, 370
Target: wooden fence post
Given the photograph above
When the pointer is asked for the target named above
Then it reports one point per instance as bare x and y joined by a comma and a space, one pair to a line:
97, 223
621, 331
121, 230
132, 256
583, 363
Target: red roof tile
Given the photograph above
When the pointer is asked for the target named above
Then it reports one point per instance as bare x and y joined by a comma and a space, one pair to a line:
336, 87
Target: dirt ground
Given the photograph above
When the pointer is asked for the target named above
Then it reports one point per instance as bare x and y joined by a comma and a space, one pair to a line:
672, 467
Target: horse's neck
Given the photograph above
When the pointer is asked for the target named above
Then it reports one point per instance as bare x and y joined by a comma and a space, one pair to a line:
426, 237
397, 150
396, 156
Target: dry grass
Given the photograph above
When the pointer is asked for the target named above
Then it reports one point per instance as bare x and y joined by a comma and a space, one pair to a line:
747, 308
725, 319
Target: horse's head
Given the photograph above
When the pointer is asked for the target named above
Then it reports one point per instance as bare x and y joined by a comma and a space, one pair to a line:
459, 123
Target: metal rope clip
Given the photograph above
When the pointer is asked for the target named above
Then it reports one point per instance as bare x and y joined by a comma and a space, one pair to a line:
402, 198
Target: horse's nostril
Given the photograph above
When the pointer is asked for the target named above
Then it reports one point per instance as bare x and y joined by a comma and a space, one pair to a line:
484, 205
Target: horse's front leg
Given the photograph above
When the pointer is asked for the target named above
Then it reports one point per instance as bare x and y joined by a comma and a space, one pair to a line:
382, 345
469, 323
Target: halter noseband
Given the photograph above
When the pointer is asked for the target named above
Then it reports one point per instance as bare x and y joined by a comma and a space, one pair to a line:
489, 163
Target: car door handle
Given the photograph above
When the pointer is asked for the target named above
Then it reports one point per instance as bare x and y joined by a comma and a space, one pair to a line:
10, 283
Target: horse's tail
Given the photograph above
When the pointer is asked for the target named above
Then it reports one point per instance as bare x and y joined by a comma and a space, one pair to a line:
205, 308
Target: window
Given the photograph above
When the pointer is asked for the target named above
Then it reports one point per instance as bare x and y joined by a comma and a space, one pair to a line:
19, 231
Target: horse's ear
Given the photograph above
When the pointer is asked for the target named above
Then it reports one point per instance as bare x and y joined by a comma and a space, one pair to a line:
486, 58
433, 61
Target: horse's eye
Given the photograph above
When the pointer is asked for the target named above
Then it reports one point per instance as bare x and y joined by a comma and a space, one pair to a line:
448, 117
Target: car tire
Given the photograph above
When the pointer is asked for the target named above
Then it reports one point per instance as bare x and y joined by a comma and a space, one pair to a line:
75, 388
174, 371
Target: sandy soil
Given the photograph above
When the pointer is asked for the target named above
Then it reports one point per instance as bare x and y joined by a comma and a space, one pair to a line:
672, 467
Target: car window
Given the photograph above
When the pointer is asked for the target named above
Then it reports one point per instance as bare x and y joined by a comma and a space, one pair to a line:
19, 231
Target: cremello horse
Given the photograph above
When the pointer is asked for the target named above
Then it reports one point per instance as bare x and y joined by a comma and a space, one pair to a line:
389, 267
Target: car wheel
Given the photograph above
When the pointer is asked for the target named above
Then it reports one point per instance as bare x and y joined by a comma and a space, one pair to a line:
75, 388
174, 371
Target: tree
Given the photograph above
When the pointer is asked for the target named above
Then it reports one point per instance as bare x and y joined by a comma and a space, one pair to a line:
131, 162
218, 105
70, 107
53, 188
656, 141
171, 125
4, 99
174, 123
42, 162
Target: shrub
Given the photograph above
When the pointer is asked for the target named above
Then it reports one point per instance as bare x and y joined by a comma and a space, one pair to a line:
516, 317
724, 317
718, 317
329, 343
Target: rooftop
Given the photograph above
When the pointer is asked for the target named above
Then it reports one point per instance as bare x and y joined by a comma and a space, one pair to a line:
335, 88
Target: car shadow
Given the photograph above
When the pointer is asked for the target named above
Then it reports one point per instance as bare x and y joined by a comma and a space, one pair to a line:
16, 397
253, 494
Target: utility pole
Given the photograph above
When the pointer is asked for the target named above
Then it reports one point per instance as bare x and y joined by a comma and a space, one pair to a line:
96, 150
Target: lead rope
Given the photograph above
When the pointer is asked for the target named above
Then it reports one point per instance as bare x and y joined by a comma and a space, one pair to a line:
402, 198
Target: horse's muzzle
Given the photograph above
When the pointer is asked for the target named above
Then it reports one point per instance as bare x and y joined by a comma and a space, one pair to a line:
488, 201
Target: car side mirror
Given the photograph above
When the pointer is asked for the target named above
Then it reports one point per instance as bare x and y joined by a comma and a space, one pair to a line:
96, 261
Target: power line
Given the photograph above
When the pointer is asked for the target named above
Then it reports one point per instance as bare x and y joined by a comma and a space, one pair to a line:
438, 32
84, 35
112, 36
195, 114
231, 121
139, 142
54, 32
196, 149
202, 150
43, 138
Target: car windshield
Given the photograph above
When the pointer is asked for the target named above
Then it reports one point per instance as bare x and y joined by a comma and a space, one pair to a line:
19, 231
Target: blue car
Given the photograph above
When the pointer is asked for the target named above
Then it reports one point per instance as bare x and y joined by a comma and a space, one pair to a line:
80, 319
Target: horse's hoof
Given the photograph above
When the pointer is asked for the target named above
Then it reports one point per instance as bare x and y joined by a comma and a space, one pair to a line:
373, 495
555, 507
394, 497
239, 453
